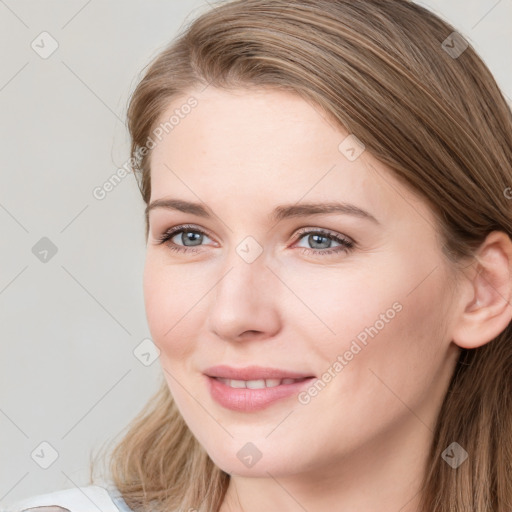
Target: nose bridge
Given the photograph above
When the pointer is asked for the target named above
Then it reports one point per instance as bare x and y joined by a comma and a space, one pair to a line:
243, 276
243, 300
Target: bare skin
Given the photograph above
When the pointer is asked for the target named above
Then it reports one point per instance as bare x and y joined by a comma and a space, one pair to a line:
360, 443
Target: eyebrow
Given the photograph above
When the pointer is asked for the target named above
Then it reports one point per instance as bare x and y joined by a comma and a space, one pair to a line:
279, 213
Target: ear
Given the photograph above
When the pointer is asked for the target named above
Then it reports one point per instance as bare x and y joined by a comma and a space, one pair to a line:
486, 293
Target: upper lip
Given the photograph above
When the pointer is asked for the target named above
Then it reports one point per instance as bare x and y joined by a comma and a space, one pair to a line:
253, 373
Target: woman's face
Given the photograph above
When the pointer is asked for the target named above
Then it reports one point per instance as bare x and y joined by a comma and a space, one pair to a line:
357, 299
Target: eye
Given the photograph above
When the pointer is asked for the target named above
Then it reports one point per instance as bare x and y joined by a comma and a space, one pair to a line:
192, 237
188, 235
322, 239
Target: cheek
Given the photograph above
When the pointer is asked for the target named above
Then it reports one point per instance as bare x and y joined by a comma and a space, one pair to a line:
333, 305
402, 338
172, 301
389, 314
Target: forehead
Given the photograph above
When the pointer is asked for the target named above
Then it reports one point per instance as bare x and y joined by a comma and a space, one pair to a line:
270, 144
255, 124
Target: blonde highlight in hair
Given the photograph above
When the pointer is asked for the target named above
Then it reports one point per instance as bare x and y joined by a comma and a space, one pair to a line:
378, 69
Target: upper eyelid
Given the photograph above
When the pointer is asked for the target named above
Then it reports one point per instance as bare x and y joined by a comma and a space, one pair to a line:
190, 227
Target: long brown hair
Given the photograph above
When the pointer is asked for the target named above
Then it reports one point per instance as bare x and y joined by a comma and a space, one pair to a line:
404, 83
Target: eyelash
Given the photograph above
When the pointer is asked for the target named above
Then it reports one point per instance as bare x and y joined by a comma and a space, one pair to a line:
346, 244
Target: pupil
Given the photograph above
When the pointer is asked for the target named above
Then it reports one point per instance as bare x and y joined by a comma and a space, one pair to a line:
190, 236
316, 237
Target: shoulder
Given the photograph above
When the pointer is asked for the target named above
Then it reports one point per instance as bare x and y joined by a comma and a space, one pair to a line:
77, 499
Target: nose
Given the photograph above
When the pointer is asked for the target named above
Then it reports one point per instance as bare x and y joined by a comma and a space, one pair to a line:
245, 302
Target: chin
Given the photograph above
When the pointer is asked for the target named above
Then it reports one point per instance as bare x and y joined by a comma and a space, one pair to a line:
246, 459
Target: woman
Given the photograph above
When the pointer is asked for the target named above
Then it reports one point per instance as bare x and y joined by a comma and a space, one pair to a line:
329, 266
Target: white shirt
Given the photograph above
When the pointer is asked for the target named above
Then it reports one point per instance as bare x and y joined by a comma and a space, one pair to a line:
91, 498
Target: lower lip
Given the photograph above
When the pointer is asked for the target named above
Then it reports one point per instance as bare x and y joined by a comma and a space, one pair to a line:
247, 400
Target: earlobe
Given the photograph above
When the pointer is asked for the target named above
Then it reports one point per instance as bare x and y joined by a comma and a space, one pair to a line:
486, 296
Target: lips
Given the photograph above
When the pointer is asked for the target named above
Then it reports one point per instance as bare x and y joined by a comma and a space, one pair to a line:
253, 373
257, 383
253, 388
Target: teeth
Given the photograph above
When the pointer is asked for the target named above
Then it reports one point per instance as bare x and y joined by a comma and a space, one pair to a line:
237, 384
256, 384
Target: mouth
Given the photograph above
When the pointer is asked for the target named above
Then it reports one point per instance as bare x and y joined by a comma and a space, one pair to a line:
254, 373
259, 383
253, 388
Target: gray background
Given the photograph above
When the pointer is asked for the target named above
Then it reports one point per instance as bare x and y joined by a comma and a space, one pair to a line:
70, 325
